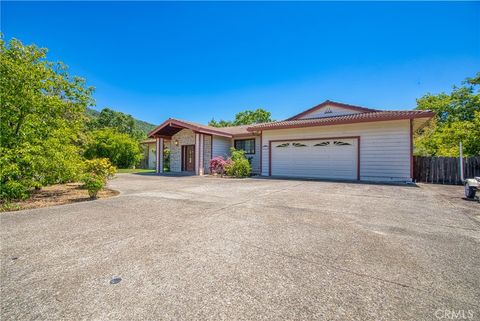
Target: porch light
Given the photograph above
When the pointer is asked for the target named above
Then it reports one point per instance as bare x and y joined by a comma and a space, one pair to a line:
176, 142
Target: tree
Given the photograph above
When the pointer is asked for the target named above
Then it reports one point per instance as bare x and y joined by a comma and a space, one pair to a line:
122, 150
457, 119
41, 119
247, 117
119, 121
221, 123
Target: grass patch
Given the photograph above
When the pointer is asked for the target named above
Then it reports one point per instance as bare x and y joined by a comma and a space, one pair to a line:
135, 170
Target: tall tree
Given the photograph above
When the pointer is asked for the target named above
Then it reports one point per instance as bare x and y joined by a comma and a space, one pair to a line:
41, 118
247, 117
457, 119
119, 121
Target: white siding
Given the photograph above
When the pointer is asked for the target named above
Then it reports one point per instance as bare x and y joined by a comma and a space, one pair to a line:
384, 146
221, 146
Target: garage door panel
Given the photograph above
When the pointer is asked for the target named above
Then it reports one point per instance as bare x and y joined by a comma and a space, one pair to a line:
323, 158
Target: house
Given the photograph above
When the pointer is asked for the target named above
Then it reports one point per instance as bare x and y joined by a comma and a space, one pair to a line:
331, 140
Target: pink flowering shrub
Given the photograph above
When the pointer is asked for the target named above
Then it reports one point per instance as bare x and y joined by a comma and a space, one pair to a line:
219, 164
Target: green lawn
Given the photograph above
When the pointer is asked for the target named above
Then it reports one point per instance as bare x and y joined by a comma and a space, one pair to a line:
135, 170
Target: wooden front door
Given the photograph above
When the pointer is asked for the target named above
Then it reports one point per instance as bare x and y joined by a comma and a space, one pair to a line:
188, 158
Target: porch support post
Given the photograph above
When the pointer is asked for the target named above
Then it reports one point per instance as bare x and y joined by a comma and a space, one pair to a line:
157, 155
201, 168
197, 153
160, 160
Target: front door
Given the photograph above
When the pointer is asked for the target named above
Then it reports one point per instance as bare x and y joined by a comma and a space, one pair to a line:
188, 158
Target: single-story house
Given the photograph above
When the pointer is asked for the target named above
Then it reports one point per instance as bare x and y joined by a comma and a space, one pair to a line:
331, 140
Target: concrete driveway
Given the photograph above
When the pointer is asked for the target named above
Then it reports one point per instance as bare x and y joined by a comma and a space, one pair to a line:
191, 248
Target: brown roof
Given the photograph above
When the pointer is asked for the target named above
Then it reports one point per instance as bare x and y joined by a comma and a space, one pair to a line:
221, 131
172, 126
344, 119
236, 130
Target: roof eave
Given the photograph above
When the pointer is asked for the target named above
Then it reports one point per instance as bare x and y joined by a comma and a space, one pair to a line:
179, 123
427, 115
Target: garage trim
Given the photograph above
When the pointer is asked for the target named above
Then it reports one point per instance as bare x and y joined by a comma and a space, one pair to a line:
316, 138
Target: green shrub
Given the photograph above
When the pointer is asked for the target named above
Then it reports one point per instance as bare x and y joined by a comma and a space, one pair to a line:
93, 183
239, 166
122, 150
100, 167
13, 190
237, 154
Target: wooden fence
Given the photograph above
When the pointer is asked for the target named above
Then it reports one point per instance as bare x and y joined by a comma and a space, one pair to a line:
444, 170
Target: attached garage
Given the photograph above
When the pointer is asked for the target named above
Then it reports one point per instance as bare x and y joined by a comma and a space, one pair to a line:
341, 142
331, 158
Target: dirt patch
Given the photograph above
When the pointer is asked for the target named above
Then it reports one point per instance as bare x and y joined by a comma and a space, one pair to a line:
57, 195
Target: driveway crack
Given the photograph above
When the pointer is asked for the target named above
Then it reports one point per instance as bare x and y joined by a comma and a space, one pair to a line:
363, 275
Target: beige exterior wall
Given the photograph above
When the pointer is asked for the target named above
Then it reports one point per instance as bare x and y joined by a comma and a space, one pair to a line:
207, 153
187, 137
216, 145
384, 146
184, 137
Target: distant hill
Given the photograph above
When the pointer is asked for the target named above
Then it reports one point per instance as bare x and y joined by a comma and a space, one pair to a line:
144, 126
141, 125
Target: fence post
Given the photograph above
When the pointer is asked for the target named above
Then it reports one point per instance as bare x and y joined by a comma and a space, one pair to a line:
461, 163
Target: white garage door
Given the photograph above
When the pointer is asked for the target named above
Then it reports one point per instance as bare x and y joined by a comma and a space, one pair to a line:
323, 158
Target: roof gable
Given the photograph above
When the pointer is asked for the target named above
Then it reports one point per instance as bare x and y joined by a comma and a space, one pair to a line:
330, 109
172, 126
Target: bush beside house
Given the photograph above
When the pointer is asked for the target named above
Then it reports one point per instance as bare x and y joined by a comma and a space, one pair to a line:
235, 166
218, 165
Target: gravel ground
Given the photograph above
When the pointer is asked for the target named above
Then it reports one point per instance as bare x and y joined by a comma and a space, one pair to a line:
202, 248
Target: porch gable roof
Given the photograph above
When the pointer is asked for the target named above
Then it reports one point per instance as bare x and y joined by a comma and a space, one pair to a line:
172, 126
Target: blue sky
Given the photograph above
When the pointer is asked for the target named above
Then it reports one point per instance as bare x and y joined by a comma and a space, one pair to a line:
198, 60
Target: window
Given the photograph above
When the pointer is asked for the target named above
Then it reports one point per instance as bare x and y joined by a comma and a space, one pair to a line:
299, 145
248, 145
338, 143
